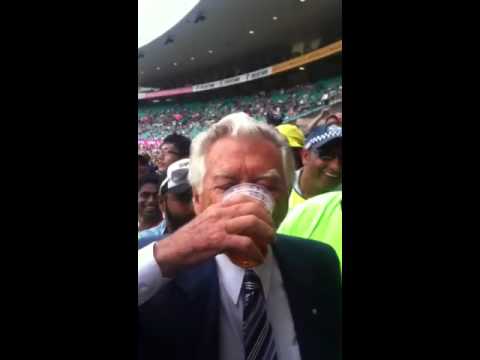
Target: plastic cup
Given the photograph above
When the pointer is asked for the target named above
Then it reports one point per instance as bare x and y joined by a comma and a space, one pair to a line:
255, 191
260, 194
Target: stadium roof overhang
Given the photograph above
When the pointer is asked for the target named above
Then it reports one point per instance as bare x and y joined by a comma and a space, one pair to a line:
218, 32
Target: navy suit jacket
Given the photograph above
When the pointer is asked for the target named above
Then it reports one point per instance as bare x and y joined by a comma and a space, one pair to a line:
181, 321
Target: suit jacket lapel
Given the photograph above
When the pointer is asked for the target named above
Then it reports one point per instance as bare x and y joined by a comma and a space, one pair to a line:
201, 288
309, 312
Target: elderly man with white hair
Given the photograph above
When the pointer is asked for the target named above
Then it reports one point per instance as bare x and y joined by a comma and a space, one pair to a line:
224, 286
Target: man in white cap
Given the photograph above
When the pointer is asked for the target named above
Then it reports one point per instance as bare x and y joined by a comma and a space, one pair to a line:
175, 202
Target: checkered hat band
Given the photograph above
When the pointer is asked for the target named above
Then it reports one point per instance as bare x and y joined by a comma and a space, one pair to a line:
324, 137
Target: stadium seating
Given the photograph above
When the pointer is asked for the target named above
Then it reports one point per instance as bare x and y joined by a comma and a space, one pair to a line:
189, 118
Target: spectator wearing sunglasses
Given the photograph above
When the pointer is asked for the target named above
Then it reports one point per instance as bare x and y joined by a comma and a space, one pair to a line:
322, 165
175, 203
173, 148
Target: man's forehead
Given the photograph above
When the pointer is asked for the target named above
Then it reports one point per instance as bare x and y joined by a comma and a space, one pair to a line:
248, 145
231, 153
149, 187
254, 175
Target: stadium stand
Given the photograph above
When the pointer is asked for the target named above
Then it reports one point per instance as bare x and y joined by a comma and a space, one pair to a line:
155, 121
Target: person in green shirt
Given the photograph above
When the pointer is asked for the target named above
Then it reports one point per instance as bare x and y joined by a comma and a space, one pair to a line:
318, 218
322, 165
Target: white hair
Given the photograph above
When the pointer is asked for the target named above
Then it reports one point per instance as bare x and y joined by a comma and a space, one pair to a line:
236, 124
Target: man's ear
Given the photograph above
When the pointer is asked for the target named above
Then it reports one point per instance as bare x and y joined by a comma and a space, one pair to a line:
305, 156
196, 202
162, 203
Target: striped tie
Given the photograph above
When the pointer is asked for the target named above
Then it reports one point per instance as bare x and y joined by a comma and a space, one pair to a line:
257, 331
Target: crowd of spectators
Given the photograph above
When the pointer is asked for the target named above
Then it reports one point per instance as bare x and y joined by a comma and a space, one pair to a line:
190, 118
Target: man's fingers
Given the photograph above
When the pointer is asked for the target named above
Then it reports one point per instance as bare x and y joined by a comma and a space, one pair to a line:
247, 206
243, 246
243, 228
251, 226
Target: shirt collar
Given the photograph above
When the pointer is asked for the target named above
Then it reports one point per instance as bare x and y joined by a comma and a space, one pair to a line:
162, 228
231, 275
296, 181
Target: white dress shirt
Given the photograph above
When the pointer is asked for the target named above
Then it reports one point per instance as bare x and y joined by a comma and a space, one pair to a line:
150, 278
230, 278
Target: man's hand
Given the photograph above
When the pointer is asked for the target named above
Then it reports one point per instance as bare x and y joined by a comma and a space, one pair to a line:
240, 225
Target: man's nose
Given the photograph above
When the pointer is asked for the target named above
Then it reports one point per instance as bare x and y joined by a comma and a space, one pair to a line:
152, 198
